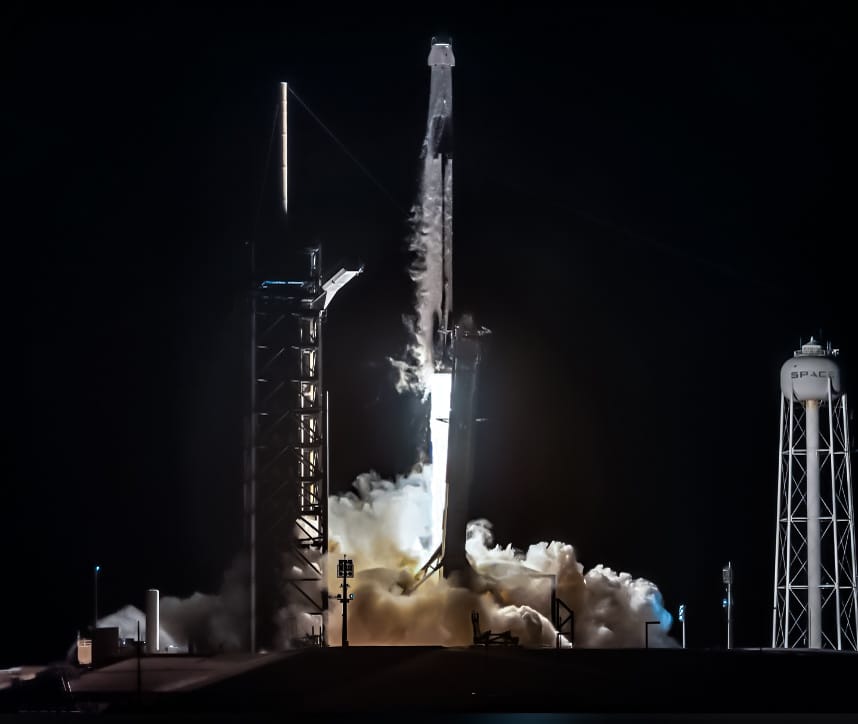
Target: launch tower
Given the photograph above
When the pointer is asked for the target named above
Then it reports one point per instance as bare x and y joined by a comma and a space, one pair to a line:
286, 468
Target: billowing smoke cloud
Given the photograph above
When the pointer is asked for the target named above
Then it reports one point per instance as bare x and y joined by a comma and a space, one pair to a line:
611, 609
384, 523
201, 622
377, 525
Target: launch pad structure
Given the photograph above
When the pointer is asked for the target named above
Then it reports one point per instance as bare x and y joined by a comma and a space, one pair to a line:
385, 681
286, 485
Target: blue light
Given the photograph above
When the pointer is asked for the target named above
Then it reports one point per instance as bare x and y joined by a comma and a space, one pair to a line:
723, 603
278, 282
97, 569
665, 620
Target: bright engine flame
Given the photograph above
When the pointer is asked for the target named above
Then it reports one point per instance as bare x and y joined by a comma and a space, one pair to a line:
440, 386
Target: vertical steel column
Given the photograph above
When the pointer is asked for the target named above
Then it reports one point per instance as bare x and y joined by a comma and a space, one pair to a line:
250, 478
814, 569
778, 525
834, 508
787, 566
850, 521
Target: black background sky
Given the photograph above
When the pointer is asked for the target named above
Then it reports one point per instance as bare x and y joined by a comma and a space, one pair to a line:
653, 205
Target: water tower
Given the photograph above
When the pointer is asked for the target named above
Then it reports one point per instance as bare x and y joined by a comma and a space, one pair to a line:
815, 595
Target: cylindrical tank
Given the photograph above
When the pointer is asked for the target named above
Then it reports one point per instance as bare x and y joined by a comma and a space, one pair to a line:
153, 621
805, 376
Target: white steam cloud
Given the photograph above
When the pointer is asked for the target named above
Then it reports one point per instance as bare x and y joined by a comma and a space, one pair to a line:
201, 622
378, 527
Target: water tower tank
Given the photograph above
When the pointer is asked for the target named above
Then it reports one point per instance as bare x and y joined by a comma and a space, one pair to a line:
806, 375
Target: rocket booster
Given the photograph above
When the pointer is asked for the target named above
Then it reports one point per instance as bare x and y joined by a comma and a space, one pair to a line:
439, 141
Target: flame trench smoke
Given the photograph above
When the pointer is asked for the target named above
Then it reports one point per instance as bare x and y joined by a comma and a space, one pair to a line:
378, 526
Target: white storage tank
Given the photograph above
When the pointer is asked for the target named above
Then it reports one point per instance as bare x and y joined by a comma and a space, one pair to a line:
153, 621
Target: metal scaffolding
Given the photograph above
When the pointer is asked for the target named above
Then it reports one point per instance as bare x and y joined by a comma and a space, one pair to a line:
286, 483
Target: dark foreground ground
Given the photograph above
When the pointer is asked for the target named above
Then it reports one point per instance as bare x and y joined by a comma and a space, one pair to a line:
457, 684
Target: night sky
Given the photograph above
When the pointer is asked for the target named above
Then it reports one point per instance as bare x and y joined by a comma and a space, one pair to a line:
653, 206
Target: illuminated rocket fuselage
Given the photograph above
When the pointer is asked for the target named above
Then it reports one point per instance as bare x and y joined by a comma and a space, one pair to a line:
455, 347
436, 234
439, 138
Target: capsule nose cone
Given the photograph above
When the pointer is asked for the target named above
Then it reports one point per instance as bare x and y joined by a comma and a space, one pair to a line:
441, 54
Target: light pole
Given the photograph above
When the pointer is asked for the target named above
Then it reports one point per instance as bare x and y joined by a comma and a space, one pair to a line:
345, 570
682, 621
95, 600
727, 578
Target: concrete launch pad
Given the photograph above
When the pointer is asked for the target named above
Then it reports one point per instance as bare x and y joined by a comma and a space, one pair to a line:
427, 680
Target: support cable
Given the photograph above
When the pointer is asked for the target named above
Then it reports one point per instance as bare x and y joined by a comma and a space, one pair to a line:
345, 150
